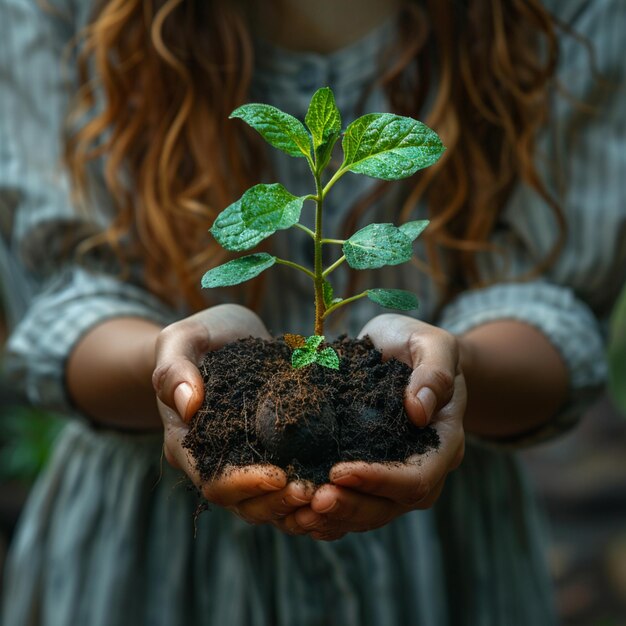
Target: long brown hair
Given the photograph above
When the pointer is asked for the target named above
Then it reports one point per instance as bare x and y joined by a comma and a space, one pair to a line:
168, 73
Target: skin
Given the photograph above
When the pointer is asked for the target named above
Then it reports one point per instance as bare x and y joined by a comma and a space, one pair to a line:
359, 496
500, 379
322, 26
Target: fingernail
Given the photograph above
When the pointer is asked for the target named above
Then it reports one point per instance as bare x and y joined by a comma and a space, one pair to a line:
329, 507
182, 398
347, 480
428, 400
292, 500
268, 486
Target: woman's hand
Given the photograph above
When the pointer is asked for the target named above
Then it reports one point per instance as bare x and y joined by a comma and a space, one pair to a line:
258, 494
364, 496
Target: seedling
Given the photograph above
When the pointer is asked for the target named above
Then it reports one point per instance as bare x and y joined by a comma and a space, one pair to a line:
380, 145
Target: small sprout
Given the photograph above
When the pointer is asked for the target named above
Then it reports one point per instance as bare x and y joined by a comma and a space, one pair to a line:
310, 353
380, 145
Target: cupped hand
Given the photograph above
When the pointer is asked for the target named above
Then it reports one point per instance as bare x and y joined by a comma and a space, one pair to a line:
363, 496
258, 493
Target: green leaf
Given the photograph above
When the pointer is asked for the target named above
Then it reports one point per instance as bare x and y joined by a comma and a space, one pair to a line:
328, 358
313, 342
617, 353
324, 122
301, 357
323, 117
324, 152
261, 211
388, 146
399, 299
268, 208
230, 230
414, 229
377, 245
279, 129
329, 293
238, 271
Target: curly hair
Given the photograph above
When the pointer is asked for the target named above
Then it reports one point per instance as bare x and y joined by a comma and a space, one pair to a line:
158, 78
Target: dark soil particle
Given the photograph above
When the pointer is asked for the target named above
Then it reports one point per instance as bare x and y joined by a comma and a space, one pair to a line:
258, 409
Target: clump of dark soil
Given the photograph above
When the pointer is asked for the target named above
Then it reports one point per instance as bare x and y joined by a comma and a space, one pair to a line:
258, 409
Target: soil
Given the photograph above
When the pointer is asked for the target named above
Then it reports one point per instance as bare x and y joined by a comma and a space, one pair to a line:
258, 409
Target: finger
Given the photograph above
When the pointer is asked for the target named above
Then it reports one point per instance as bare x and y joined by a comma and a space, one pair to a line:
239, 484
174, 433
278, 504
229, 322
176, 379
232, 487
449, 426
406, 484
344, 510
181, 346
435, 357
319, 526
289, 525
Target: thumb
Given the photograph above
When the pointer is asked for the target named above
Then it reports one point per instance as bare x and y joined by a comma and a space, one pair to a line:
176, 378
179, 385
435, 358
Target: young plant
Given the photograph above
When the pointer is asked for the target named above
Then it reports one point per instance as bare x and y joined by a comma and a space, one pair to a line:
380, 145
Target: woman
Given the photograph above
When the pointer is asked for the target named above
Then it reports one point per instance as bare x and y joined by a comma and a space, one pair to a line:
513, 269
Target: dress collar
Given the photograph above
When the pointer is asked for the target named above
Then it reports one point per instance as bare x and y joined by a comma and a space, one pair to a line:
346, 71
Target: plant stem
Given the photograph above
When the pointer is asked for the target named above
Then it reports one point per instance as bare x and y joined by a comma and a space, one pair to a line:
334, 266
318, 269
337, 241
337, 305
308, 231
296, 266
338, 174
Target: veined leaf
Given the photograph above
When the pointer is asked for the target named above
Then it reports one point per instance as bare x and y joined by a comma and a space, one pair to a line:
268, 208
313, 342
328, 358
329, 293
388, 146
231, 232
261, 211
324, 121
414, 229
301, 357
377, 245
399, 299
325, 151
323, 117
238, 271
279, 129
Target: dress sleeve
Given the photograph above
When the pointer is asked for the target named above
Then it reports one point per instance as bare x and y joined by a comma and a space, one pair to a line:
583, 159
59, 299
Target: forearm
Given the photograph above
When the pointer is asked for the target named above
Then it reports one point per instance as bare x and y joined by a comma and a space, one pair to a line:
109, 372
516, 379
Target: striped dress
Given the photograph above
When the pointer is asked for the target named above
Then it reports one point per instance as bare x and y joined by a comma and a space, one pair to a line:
107, 537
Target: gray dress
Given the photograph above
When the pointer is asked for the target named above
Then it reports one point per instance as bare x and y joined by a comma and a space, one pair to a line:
107, 537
